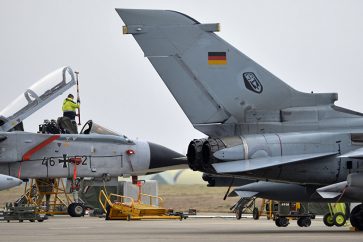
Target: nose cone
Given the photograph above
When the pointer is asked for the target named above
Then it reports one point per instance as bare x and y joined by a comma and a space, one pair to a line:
162, 158
7, 182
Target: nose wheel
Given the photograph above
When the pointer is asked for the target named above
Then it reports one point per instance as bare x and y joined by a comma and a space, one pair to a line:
76, 210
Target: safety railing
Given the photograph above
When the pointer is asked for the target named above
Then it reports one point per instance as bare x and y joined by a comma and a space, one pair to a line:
151, 198
104, 200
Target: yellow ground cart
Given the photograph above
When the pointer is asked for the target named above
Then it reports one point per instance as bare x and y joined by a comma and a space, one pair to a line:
118, 207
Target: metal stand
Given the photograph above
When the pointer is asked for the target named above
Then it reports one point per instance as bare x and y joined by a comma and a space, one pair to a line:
49, 195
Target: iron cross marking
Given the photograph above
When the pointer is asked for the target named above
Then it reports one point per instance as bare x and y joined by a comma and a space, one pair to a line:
64, 161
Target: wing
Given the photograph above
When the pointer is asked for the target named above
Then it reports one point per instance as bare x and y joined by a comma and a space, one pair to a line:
333, 190
351, 189
358, 154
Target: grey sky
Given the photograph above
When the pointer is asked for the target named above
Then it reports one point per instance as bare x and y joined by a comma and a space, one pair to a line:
312, 45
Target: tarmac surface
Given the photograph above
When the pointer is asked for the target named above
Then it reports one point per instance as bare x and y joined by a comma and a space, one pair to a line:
62, 228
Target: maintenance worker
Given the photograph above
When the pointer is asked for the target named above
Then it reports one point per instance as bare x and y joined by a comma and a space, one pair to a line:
69, 111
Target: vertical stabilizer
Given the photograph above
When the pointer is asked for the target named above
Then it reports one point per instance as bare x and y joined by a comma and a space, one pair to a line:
211, 80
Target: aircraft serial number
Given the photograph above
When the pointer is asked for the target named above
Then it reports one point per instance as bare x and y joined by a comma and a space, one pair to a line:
51, 161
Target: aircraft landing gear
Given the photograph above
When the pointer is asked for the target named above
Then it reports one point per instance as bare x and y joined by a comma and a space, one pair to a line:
356, 217
76, 210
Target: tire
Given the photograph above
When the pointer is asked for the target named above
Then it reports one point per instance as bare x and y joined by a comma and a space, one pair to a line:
238, 214
40, 220
300, 222
76, 210
256, 214
278, 222
339, 219
356, 217
305, 222
284, 222
328, 220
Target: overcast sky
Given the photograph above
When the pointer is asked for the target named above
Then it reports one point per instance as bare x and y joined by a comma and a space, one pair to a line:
312, 45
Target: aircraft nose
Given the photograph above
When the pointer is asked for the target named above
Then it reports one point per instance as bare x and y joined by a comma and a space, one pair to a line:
161, 156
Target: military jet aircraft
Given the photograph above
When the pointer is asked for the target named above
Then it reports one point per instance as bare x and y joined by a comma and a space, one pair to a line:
258, 127
54, 153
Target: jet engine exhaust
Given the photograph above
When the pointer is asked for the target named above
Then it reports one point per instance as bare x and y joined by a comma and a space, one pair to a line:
209, 148
202, 152
194, 154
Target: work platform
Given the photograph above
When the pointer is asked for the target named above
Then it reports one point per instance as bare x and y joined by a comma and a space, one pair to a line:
118, 207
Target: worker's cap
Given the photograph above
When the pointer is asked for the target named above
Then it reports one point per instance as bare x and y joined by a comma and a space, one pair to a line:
70, 96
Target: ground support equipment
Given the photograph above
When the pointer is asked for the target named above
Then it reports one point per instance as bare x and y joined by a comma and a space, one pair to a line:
337, 215
118, 207
283, 212
244, 205
21, 213
51, 197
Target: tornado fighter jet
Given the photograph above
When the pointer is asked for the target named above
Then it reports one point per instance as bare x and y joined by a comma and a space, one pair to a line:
258, 127
95, 152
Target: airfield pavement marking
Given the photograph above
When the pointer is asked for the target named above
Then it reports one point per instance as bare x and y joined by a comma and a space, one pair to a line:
195, 229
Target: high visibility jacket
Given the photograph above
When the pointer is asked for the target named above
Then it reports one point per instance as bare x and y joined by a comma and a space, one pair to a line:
69, 105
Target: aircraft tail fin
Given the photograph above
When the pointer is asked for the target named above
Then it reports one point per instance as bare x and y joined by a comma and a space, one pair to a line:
212, 81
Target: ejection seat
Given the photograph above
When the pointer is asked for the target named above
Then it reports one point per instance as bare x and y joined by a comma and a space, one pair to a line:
67, 126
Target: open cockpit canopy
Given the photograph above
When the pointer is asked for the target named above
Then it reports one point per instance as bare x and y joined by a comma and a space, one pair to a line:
35, 97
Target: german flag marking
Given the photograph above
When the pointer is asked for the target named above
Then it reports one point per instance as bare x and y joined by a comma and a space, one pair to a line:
217, 58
